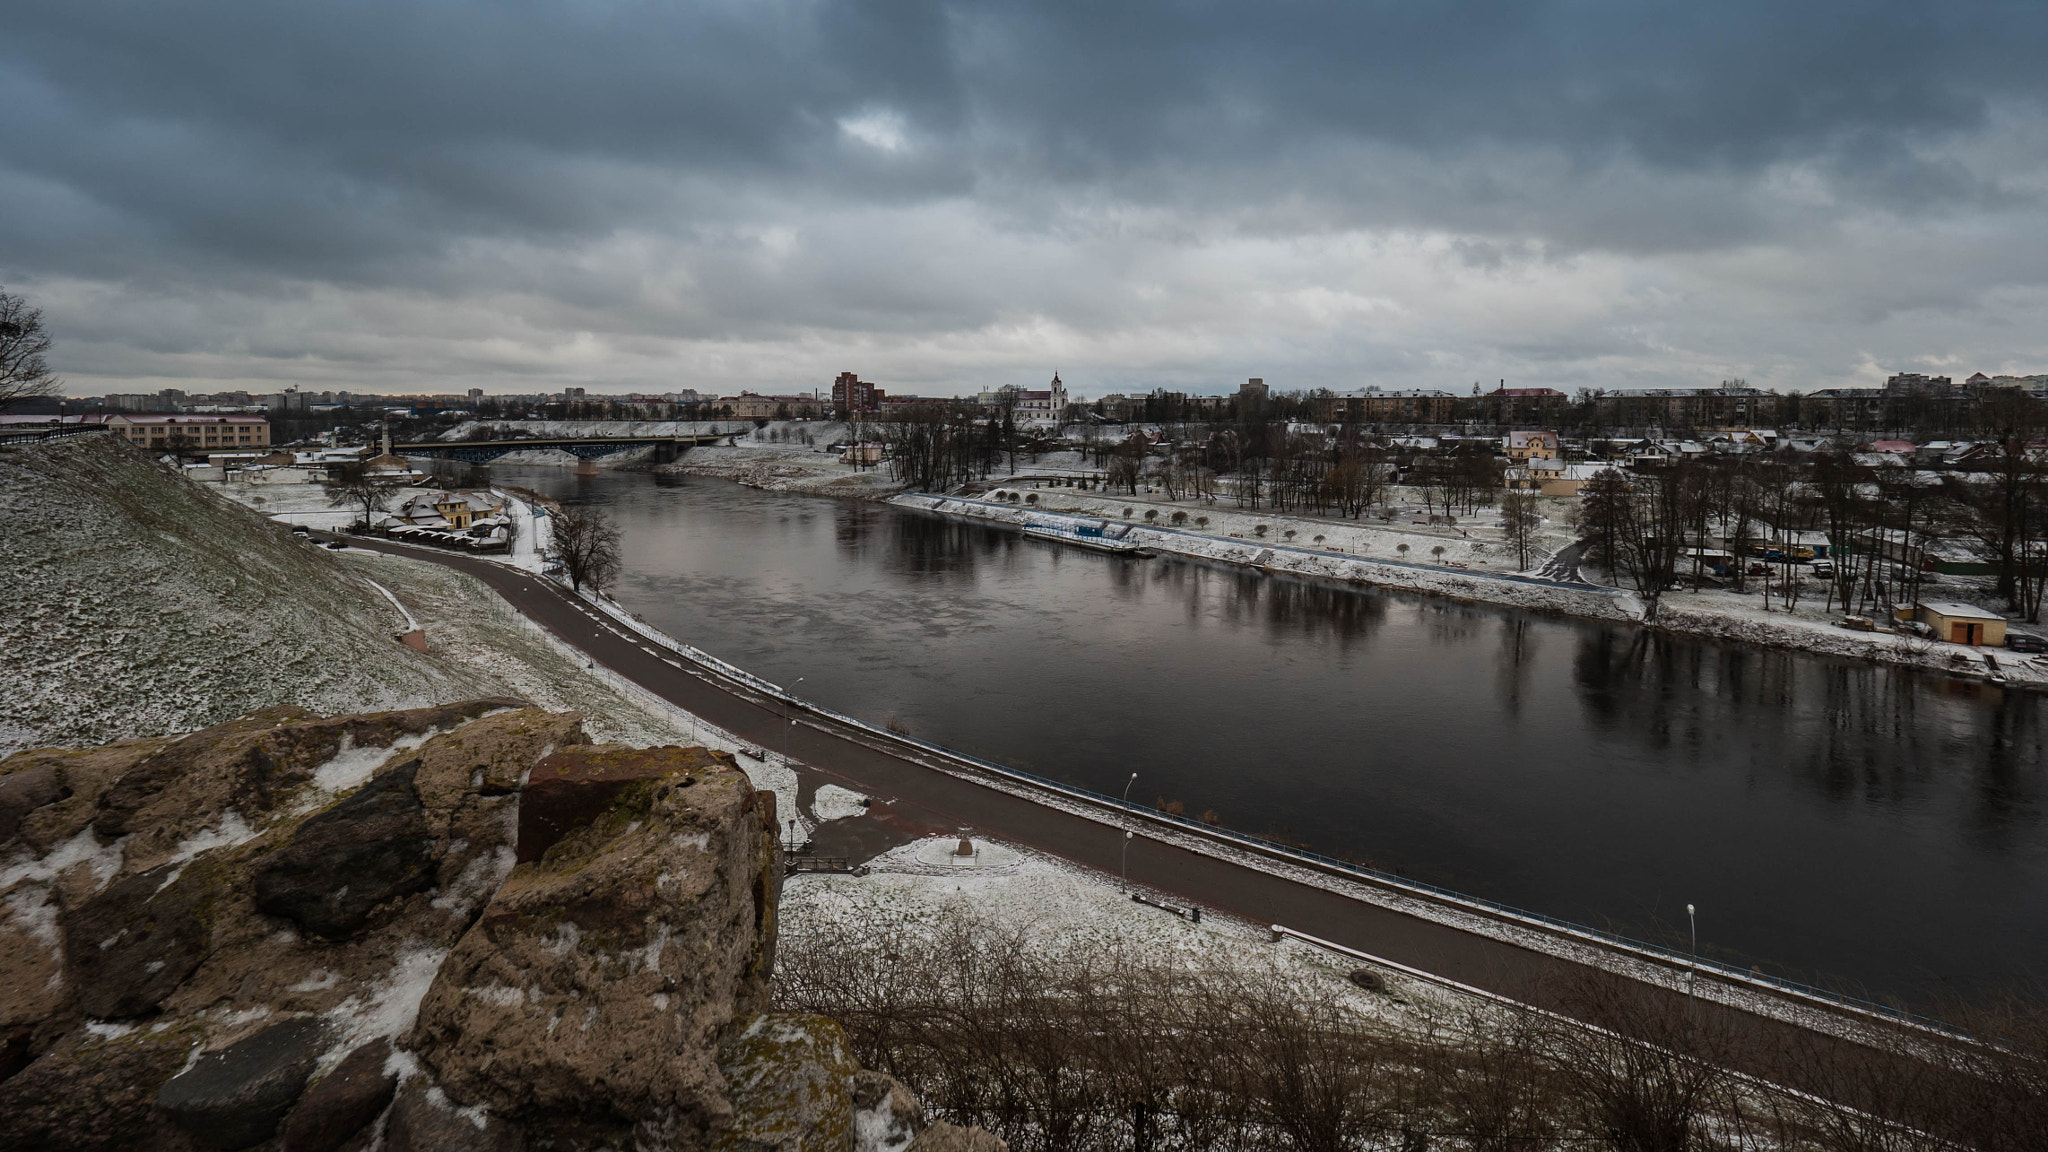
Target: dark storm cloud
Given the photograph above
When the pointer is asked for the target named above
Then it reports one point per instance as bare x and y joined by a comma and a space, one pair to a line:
457, 148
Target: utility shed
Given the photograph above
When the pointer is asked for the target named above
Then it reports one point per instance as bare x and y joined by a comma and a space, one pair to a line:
1961, 623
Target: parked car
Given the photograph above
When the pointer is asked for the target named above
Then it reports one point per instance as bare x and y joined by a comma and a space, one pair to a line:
336, 545
1824, 569
2025, 642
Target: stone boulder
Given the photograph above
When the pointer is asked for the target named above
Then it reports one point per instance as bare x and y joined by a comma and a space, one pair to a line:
22, 792
603, 975
93, 1090
343, 1102
133, 944
886, 1117
234, 1098
423, 1119
461, 927
790, 1080
341, 864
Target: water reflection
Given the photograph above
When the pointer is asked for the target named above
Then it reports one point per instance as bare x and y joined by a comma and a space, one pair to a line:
1833, 818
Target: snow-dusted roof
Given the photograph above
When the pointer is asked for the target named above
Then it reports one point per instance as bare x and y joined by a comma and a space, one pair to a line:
1958, 611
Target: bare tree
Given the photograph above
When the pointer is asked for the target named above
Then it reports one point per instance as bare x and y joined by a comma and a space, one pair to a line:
587, 543
1520, 517
357, 489
23, 341
1637, 526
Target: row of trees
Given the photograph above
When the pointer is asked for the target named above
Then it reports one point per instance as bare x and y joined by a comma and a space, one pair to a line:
1594, 412
1885, 524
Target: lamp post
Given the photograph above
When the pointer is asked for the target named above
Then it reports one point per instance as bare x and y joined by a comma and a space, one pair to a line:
1693, 976
1125, 870
787, 723
1127, 787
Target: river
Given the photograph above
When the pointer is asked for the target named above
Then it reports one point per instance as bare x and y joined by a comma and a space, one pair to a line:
1872, 829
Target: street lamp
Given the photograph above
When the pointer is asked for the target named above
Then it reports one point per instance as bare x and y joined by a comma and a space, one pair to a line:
1125, 869
1127, 787
787, 723
1693, 976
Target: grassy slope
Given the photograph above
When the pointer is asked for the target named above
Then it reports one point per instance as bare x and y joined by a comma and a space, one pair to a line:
137, 603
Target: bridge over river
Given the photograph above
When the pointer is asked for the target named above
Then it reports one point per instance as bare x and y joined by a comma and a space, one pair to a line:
666, 448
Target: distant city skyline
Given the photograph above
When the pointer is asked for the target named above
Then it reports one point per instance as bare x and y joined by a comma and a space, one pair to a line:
395, 197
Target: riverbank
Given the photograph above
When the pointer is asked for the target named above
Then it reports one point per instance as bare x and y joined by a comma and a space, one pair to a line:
1709, 615
1469, 562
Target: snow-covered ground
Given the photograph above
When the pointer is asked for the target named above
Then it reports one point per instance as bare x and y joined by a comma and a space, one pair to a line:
307, 504
913, 891
781, 468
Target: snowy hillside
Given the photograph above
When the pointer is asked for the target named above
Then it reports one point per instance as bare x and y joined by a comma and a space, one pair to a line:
138, 603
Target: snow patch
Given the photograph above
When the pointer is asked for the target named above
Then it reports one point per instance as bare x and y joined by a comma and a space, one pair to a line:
387, 1010
835, 803
651, 959
497, 995
318, 980
563, 939
479, 879
231, 831
351, 767
30, 907
84, 848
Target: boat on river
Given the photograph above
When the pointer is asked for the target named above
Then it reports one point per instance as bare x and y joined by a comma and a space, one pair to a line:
1100, 535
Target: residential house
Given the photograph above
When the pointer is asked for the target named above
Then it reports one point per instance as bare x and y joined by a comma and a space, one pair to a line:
1526, 445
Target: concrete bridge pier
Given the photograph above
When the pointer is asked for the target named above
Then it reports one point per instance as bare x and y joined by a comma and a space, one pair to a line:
585, 466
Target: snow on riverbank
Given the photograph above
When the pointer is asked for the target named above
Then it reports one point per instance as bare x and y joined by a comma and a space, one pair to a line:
1309, 561
1723, 616
785, 469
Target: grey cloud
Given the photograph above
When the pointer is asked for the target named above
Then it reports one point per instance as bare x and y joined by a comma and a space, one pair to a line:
680, 172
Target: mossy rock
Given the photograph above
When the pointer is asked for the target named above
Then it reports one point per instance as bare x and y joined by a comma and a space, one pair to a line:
789, 1077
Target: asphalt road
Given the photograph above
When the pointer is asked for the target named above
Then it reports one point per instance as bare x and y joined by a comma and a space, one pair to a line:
920, 797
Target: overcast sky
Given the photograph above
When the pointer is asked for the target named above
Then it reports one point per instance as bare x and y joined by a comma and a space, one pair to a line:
423, 196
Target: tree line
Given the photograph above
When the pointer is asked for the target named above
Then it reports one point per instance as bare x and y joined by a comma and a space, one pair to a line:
1886, 526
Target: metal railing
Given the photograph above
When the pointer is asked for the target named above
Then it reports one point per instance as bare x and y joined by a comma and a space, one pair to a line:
42, 434
1682, 961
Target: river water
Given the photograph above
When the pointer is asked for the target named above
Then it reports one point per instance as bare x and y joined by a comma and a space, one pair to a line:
1871, 829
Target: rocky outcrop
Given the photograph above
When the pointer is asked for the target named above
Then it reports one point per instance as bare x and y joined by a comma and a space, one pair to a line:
458, 927
196, 932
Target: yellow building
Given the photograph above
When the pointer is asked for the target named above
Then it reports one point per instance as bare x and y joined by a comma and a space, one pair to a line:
1961, 623
200, 435
1532, 445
